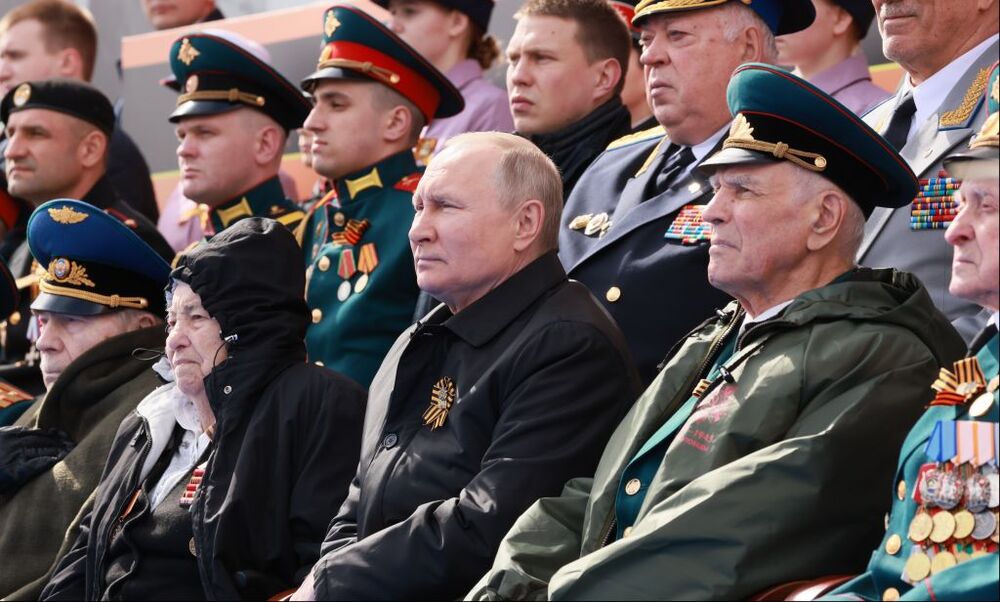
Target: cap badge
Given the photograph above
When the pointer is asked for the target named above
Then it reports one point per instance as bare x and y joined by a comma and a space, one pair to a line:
22, 94
65, 271
442, 398
188, 53
331, 24
66, 215
191, 85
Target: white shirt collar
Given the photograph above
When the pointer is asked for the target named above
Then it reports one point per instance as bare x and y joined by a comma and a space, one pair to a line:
995, 319
931, 93
767, 314
701, 150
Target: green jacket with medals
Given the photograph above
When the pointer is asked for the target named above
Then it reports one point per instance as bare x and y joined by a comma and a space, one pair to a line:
777, 475
360, 283
891, 572
267, 199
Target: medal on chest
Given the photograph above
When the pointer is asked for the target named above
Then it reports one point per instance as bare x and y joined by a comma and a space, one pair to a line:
934, 208
187, 496
442, 399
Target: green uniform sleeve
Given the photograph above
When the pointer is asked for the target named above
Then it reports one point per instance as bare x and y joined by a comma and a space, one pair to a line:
544, 538
805, 506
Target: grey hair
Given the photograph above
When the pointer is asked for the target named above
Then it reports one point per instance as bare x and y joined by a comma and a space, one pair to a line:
523, 172
130, 317
739, 18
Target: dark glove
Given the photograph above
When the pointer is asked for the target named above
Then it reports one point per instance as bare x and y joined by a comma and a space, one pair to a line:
26, 452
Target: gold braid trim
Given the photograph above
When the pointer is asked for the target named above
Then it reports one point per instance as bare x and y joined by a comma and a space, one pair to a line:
781, 151
383, 74
647, 6
958, 115
231, 95
113, 301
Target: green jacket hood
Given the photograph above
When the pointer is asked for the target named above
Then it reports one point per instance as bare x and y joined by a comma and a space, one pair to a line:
888, 296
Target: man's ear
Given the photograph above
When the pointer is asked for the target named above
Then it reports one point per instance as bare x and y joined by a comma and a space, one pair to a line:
69, 63
827, 218
844, 21
398, 122
92, 148
527, 222
269, 142
607, 75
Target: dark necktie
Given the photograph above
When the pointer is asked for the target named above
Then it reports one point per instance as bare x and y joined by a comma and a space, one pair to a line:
675, 160
899, 125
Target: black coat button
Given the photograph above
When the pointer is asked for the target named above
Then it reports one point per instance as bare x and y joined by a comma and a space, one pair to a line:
390, 440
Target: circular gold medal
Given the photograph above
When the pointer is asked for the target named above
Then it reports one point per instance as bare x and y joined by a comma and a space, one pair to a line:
344, 291
893, 544
944, 526
918, 566
981, 405
964, 523
890, 595
942, 561
361, 283
921, 527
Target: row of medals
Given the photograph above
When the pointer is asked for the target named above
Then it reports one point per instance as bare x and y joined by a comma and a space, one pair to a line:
958, 519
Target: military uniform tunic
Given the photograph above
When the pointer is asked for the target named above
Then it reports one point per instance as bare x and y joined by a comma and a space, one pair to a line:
974, 578
361, 286
267, 199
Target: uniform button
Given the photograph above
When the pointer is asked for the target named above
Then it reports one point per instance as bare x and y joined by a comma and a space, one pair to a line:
339, 219
627, 532
323, 264
901, 490
317, 315
614, 293
15, 318
633, 486
319, 363
893, 544
227, 389
891, 594
390, 441
192, 548
886, 521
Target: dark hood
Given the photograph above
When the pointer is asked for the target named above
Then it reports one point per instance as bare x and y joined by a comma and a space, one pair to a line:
249, 279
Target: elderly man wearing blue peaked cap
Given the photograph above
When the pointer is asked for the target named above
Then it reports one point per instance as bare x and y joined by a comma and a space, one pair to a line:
100, 299
754, 458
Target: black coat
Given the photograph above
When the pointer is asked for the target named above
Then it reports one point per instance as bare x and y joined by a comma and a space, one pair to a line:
287, 433
541, 375
661, 285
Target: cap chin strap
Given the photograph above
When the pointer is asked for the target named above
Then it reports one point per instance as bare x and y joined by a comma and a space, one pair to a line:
112, 301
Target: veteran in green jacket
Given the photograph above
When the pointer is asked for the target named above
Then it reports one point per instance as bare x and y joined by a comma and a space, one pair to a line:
941, 536
100, 300
755, 457
373, 95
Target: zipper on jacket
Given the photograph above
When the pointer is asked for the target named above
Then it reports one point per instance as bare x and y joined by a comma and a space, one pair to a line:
120, 521
716, 345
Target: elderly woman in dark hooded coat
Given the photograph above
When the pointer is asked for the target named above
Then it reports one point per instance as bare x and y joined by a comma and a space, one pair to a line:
221, 484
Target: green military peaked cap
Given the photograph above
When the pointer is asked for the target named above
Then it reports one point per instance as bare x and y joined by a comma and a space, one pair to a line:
356, 46
215, 75
780, 117
982, 158
93, 263
781, 16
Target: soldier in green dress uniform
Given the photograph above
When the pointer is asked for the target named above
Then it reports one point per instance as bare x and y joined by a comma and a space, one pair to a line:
233, 116
373, 95
941, 534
